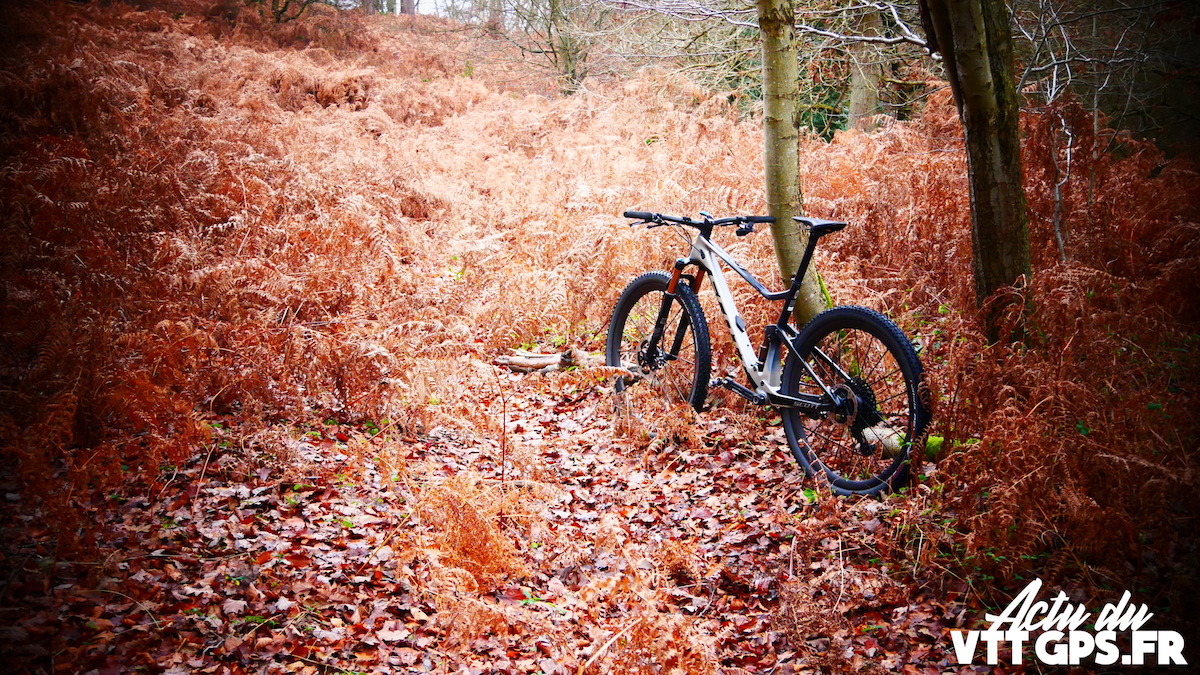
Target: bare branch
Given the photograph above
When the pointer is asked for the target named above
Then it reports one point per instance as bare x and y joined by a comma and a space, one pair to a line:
870, 39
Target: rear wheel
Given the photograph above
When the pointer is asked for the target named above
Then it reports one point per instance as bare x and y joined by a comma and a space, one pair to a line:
865, 446
676, 363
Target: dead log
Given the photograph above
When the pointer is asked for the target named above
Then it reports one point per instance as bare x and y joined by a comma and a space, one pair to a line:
524, 361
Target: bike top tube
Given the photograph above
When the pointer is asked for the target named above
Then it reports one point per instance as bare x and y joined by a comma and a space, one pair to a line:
744, 273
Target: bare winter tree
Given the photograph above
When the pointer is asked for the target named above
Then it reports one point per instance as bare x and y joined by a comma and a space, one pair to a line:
781, 150
791, 37
1128, 63
553, 33
866, 72
712, 38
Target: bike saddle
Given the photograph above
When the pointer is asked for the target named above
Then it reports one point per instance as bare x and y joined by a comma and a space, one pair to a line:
819, 227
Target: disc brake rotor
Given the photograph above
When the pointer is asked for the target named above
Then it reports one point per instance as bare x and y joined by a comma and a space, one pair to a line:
648, 364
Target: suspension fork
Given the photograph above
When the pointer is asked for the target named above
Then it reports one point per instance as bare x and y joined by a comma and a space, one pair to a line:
664, 310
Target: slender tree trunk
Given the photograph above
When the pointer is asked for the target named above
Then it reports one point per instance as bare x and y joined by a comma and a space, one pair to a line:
495, 16
865, 75
975, 41
781, 145
567, 52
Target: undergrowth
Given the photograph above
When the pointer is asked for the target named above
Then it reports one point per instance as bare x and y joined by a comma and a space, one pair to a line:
208, 216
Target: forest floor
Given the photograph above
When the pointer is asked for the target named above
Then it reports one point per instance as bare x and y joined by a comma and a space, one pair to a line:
339, 555
256, 279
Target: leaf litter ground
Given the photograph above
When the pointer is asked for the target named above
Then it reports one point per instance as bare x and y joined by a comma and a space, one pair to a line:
562, 545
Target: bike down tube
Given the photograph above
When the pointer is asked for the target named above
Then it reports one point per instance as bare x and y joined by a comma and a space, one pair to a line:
702, 253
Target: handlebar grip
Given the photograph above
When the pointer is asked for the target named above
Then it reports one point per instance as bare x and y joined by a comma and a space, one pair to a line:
640, 215
759, 219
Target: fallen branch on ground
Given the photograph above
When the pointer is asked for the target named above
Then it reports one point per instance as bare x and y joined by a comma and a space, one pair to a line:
525, 361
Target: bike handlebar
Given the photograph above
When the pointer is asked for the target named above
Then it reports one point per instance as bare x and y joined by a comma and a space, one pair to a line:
661, 219
640, 215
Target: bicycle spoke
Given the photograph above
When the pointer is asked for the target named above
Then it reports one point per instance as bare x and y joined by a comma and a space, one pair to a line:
884, 377
674, 363
875, 364
861, 358
639, 324
671, 378
832, 369
890, 398
830, 439
681, 360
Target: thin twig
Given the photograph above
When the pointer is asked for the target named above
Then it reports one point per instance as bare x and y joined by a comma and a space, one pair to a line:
588, 664
200, 481
139, 603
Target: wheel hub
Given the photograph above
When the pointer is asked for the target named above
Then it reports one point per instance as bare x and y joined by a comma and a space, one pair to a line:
649, 362
867, 407
858, 410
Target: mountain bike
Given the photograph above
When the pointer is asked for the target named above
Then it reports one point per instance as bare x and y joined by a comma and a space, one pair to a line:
848, 385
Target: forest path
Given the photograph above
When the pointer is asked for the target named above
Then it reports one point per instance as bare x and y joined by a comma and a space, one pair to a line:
556, 545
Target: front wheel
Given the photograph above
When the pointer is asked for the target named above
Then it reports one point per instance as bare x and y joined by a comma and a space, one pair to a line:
864, 365
675, 361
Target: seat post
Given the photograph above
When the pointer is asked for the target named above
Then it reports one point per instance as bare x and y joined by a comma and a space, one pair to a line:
805, 260
817, 228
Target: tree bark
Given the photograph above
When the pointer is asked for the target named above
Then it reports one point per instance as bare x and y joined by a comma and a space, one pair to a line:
567, 52
975, 41
495, 16
781, 151
408, 7
865, 75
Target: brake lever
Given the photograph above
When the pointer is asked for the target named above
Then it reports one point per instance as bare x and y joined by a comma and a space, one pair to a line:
744, 230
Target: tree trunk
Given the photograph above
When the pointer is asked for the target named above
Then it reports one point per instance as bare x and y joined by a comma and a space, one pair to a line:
495, 16
974, 39
565, 49
865, 75
781, 150
408, 7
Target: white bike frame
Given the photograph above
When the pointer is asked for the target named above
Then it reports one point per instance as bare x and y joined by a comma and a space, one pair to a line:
765, 368
766, 375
